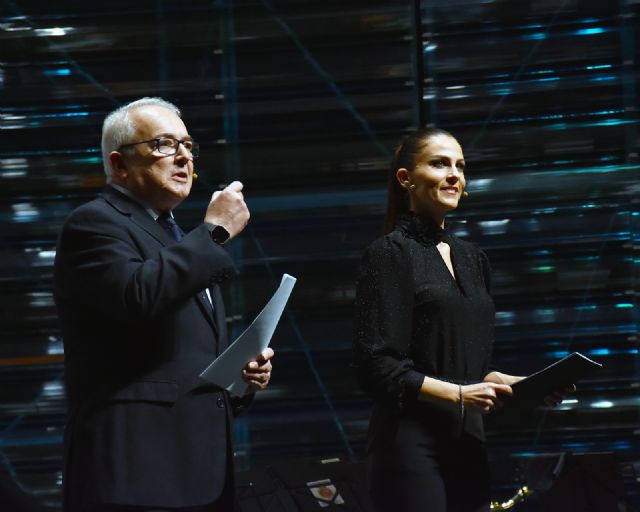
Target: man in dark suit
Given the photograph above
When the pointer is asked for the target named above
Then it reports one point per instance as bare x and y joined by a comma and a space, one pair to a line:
142, 315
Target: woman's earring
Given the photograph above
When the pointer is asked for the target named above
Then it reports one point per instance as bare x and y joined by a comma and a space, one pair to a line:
412, 187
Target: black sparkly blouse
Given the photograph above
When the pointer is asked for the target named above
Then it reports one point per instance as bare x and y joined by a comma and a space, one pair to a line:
412, 318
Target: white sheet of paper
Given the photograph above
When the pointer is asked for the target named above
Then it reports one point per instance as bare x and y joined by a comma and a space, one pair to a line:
225, 370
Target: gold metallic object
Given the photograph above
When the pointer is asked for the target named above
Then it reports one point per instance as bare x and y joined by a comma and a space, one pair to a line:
518, 497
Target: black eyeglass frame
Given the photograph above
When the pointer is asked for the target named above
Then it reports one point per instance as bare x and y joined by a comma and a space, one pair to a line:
194, 151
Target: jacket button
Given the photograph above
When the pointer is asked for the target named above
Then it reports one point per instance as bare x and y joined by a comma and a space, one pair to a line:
220, 402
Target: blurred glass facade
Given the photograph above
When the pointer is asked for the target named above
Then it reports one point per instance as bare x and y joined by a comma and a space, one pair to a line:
304, 101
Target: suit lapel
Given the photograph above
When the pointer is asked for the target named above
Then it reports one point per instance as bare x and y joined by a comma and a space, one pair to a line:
203, 302
139, 216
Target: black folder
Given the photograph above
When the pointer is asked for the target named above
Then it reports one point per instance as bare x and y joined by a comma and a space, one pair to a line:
530, 392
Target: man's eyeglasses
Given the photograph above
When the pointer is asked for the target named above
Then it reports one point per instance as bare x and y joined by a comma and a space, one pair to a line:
169, 146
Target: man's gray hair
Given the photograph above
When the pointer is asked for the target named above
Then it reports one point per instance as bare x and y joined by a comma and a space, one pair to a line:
118, 127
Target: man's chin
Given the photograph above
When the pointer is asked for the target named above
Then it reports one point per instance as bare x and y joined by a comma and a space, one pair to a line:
181, 190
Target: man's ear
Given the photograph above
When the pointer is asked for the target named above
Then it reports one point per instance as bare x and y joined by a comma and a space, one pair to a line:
403, 177
119, 171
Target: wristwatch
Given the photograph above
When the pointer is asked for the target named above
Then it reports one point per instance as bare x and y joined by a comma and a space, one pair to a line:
218, 234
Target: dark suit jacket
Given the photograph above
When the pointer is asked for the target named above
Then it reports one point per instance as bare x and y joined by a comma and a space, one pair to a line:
142, 429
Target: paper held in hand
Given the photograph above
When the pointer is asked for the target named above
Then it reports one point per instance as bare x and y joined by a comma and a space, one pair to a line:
225, 370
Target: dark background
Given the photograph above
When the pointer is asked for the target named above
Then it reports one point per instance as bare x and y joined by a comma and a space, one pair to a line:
304, 102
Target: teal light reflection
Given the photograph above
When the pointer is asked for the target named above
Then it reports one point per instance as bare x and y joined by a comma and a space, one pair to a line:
590, 31
56, 72
535, 36
543, 268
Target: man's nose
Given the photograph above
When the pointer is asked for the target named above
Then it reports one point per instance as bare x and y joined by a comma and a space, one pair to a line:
182, 151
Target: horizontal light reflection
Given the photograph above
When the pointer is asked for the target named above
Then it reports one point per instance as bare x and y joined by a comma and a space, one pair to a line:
603, 404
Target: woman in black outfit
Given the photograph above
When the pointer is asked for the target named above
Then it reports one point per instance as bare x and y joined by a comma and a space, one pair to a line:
424, 322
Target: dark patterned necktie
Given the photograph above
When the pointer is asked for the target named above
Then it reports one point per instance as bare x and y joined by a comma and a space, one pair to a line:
170, 225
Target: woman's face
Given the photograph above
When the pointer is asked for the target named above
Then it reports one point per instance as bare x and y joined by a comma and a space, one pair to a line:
437, 182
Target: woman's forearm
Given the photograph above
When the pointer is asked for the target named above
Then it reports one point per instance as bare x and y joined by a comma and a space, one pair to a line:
439, 391
483, 397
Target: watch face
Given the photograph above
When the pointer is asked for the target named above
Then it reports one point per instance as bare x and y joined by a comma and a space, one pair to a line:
219, 235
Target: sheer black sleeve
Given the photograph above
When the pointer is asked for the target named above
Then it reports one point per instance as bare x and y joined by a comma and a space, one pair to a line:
383, 325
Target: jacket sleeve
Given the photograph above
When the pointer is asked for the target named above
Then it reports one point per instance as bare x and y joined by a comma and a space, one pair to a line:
120, 269
383, 325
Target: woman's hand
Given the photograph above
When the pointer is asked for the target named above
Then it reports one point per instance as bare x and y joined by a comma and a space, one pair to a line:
485, 397
502, 378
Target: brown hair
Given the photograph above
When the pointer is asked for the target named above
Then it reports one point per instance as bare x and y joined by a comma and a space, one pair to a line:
405, 156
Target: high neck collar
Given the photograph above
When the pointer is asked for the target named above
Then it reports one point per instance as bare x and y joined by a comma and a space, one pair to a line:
422, 229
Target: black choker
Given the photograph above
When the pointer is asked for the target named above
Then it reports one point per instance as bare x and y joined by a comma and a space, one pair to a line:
422, 229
